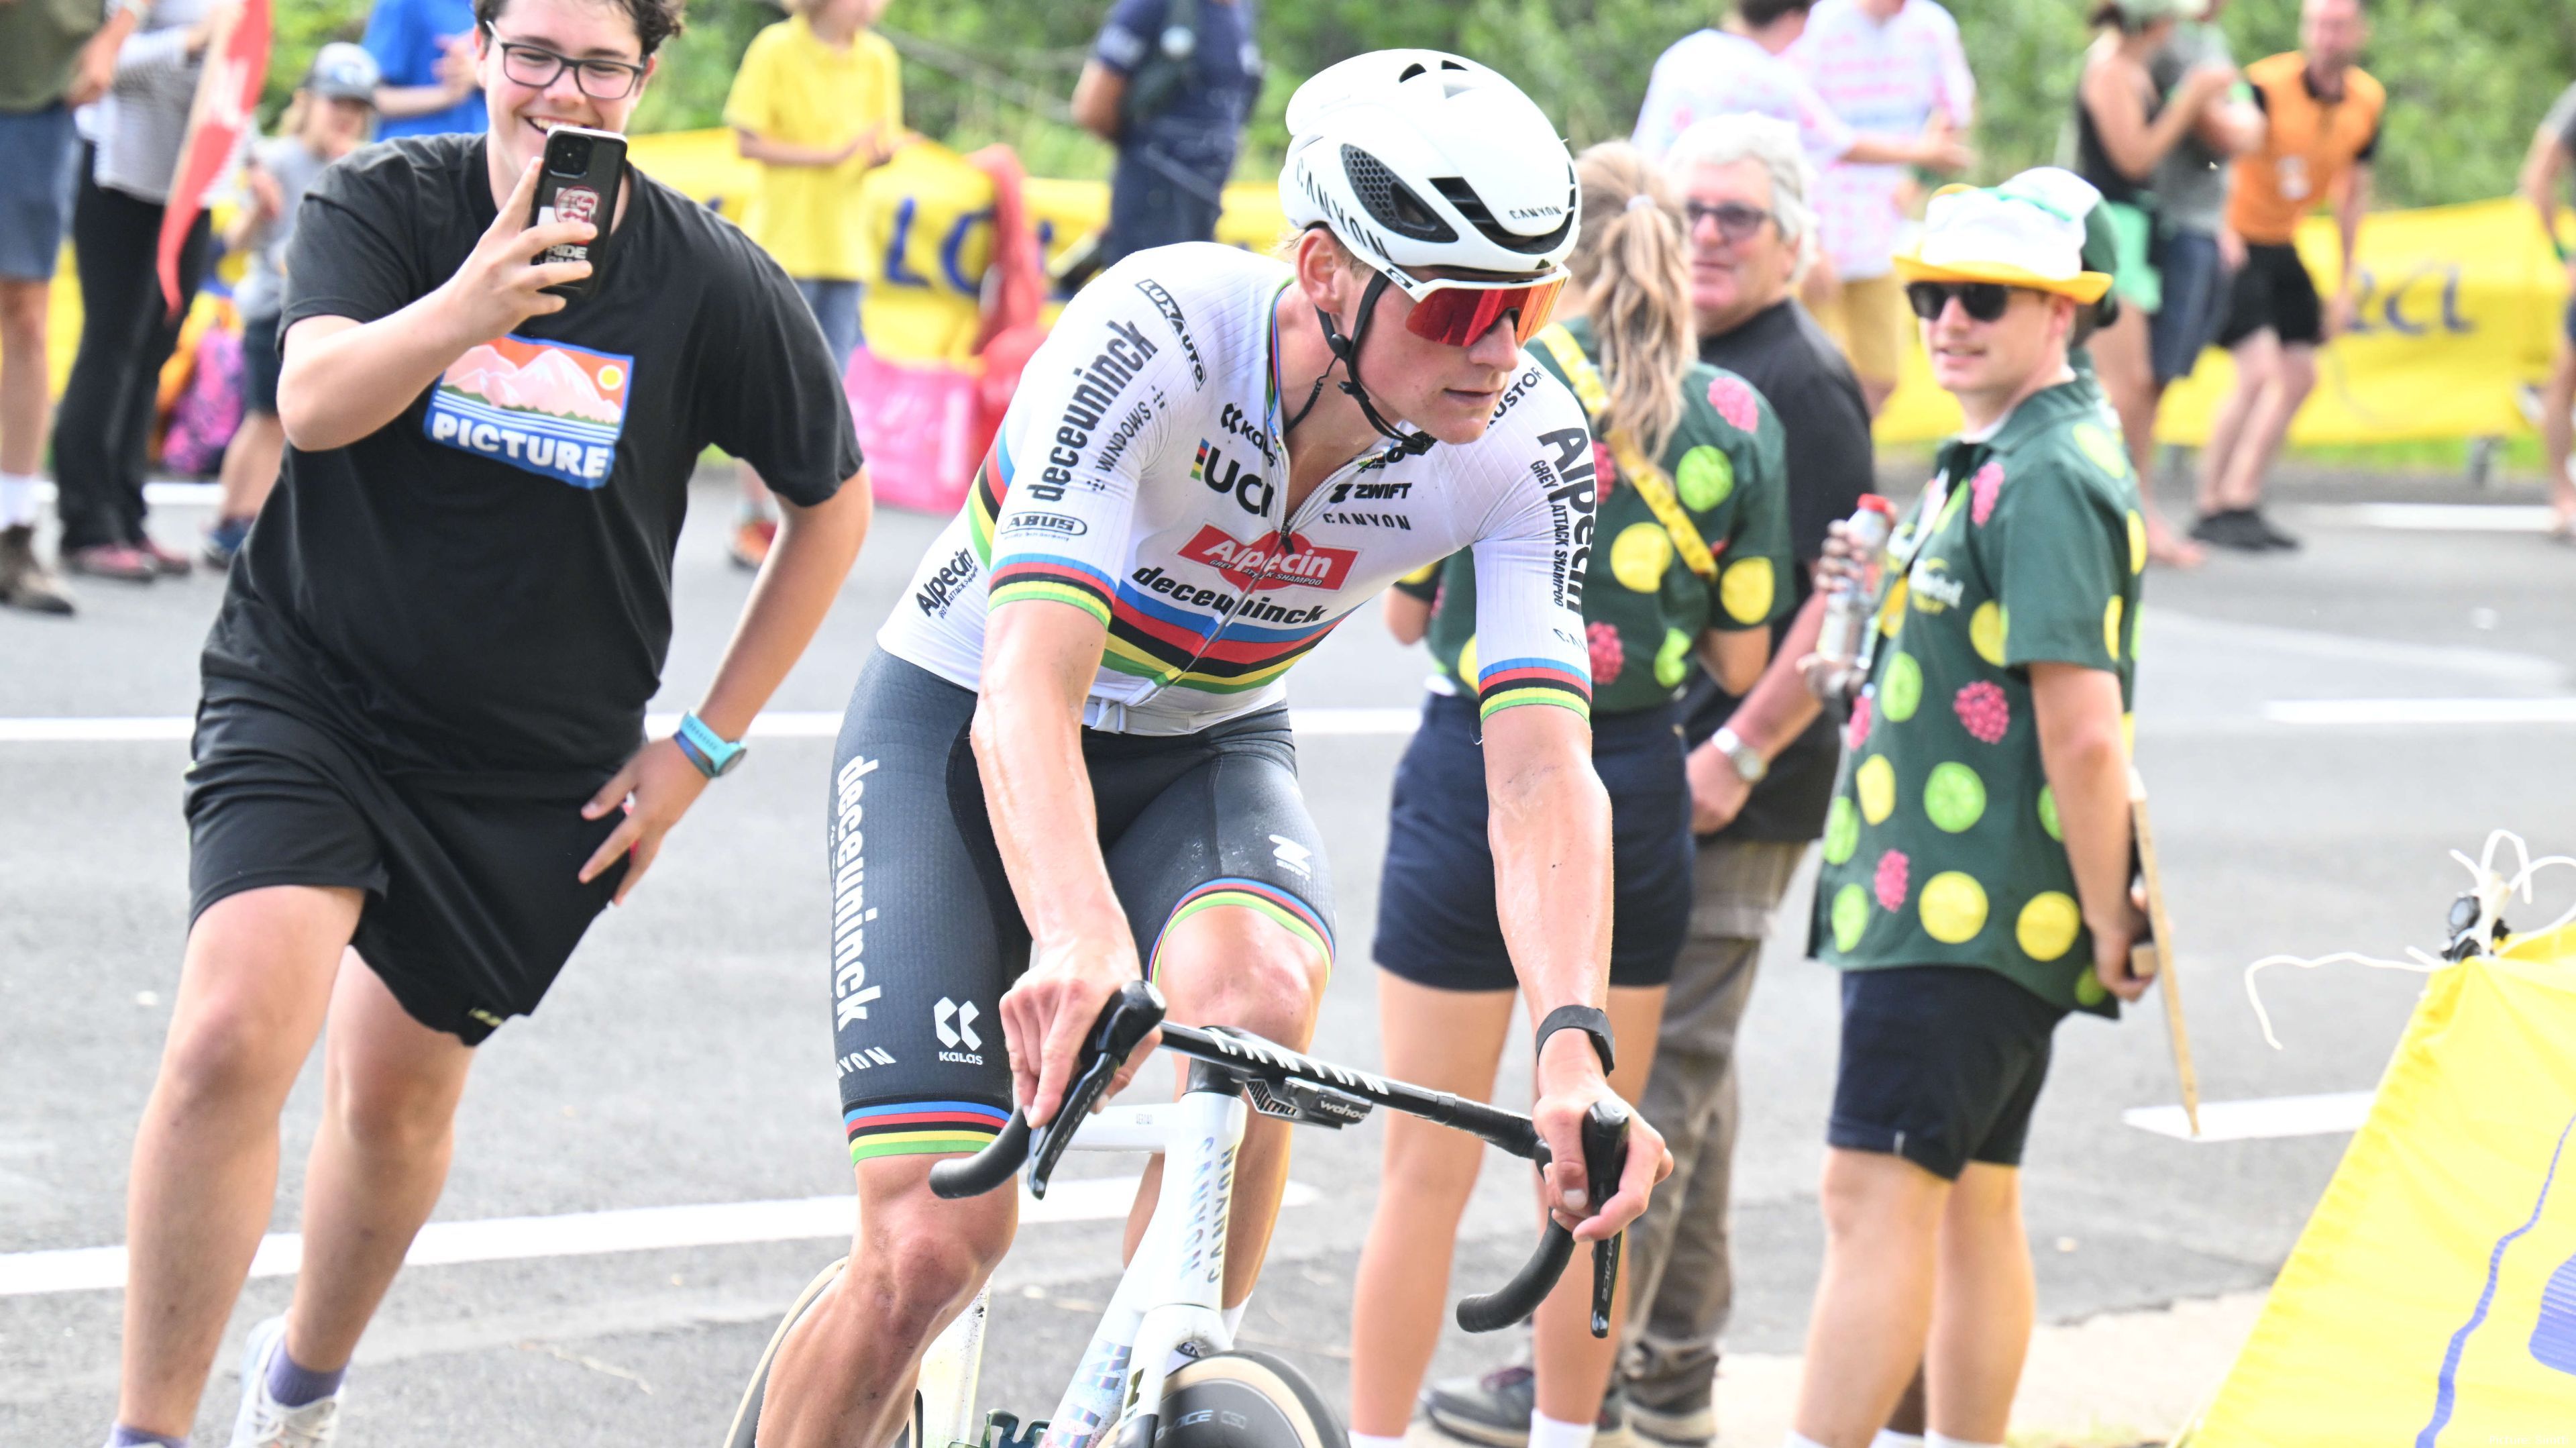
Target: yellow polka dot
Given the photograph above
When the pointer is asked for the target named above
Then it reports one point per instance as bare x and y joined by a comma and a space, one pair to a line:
1875, 782
2137, 542
1986, 632
1954, 908
2104, 449
1467, 662
2089, 991
1640, 555
2047, 926
1745, 589
1891, 614
2111, 628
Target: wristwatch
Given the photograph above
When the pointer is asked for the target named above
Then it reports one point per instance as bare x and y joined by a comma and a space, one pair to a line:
1748, 762
709, 751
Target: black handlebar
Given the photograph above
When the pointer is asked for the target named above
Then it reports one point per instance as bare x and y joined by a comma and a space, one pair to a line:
1137, 1011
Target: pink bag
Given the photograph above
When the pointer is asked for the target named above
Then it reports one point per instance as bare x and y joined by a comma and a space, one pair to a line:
209, 412
916, 426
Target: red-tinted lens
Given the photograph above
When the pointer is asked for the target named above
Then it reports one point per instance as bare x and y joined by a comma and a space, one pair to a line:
1458, 316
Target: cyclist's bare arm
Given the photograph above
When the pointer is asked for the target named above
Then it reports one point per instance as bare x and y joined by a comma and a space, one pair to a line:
1039, 660
1550, 831
343, 379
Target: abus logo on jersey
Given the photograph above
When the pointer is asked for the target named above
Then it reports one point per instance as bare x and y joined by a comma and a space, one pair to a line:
1264, 563
1221, 476
955, 1026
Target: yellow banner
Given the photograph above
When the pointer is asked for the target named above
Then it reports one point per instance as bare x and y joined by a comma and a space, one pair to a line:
2459, 306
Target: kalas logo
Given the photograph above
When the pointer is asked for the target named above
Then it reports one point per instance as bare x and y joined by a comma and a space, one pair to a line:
1266, 563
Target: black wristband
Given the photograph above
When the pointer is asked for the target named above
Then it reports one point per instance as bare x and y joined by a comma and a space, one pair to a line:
1590, 1020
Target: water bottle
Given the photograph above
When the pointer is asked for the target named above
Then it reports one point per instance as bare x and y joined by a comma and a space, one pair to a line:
1848, 606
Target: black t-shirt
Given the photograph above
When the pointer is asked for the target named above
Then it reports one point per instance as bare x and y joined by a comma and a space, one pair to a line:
1785, 355
484, 583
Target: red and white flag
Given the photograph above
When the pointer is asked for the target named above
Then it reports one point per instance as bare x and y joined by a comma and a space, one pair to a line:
227, 96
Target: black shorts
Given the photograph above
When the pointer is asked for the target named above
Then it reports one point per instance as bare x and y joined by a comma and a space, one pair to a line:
261, 362
926, 935
472, 902
1941, 1065
1437, 924
2273, 289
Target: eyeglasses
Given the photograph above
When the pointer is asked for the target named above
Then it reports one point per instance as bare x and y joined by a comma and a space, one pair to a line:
536, 67
1983, 301
1456, 313
1736, 221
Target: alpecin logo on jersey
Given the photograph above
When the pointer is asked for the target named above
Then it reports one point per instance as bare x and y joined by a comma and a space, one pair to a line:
548, 408
1263, 564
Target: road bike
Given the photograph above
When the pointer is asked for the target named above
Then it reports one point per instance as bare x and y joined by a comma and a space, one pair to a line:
1127, 1393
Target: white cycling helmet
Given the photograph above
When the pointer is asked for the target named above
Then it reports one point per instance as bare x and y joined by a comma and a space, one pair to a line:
1419, 158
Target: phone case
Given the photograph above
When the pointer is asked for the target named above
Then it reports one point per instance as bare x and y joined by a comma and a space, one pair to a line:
578, 182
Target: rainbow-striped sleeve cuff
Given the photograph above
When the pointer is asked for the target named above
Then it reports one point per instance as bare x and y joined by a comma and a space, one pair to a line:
1507, 683
1025, 576
922, 1128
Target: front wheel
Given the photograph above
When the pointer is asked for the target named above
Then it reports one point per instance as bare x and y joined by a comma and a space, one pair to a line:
1244, 1400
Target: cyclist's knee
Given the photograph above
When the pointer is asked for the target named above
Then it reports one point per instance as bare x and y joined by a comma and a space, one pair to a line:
1237, 967
918, 1258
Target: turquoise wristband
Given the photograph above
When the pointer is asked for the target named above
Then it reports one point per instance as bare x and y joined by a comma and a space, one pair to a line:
709, 751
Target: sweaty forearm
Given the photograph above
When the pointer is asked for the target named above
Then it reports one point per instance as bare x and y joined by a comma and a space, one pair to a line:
1037, 788
815, 549
1550, 833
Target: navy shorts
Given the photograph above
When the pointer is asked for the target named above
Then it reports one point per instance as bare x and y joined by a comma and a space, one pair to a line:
1437, 923
1941, 1065
261, 361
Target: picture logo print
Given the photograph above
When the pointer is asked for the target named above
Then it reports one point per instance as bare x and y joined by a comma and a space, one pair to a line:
548, 408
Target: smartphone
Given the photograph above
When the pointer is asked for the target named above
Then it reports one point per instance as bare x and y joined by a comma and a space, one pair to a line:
578, 182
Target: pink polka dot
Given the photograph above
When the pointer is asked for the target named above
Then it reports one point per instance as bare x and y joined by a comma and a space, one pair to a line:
1982, 491
1609, 656
1890, 882
1736, 401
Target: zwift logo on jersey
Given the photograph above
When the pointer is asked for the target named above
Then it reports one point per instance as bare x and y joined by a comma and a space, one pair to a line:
548, 408
1098, 384
1266, 563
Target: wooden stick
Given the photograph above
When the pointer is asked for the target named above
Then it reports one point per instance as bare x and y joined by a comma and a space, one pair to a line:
2155, 956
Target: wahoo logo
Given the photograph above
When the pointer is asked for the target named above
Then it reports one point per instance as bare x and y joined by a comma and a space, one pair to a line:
1270, 561
548, 408
962, 1031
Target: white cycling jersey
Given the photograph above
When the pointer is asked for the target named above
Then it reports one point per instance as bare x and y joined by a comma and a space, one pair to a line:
1141, 474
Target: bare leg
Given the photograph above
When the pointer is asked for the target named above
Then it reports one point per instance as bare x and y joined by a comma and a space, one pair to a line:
2257, 358
844, 1376
1573, 1365
2270, 422
390, 1087
1232, 966
22, 375
2558, 434
1910, 1415
1983, 1307
250, 468
252, 995
1449, 1041
1874, 1303
2121, 358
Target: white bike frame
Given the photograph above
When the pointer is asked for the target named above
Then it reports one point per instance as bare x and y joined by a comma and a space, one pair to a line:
1168, 1299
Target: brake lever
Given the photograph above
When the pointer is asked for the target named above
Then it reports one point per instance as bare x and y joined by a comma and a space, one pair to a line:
1605, 1160
1131, 1016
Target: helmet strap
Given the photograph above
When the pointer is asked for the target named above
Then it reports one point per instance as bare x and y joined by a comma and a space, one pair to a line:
1346, 350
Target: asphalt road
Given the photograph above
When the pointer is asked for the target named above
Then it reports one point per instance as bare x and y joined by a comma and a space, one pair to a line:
685, 1057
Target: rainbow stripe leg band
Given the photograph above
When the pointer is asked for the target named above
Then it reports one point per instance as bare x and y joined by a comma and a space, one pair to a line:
1272, 903
922, 1128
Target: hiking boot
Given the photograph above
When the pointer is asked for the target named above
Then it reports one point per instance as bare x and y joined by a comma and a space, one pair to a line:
223, 540
110, 560
751, 540
263, 1421
25, 582
1495, 1409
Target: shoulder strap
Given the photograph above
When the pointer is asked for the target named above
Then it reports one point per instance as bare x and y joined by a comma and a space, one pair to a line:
1641, 473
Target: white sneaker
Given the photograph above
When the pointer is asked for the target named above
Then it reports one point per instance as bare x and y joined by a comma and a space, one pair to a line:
263, 1421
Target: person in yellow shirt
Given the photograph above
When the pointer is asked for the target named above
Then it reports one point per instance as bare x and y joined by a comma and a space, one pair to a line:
817, 103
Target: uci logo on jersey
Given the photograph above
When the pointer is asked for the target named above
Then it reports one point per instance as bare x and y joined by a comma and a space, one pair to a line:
1251, 493
548, 408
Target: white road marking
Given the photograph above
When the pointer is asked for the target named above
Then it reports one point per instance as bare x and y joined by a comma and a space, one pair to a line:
587, 1234
2551, 709
775, 724
166, 492
2440, 517
2262, 1119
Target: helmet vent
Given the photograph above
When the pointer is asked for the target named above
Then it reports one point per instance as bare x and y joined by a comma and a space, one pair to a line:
1389, 201
1472, 206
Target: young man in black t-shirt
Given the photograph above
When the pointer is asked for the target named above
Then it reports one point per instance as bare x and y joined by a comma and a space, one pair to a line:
420, 762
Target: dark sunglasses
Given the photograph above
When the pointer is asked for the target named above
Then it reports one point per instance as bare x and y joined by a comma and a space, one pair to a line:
536, 67
1735, 220
1984, 301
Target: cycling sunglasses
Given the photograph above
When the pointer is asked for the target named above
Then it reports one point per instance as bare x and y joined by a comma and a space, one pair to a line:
1984, 301
1455, 313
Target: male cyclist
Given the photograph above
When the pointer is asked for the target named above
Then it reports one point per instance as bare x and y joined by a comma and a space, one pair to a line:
1067, 763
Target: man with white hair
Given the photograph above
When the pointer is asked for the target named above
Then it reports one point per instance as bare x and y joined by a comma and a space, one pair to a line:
1761, 770
1975, 886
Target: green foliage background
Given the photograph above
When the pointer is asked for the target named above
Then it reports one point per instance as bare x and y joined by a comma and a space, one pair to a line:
2468, 79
